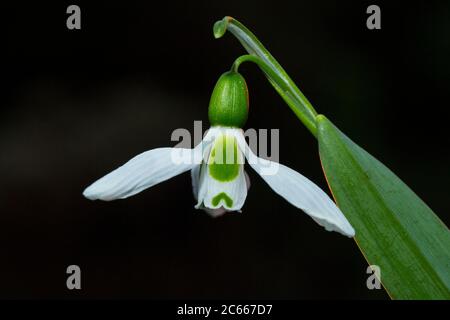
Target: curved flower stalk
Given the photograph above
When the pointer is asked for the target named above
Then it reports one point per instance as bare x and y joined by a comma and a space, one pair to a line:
219, 181
276, 75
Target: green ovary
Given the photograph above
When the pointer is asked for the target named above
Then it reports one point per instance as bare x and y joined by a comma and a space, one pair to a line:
222, 196
223, 162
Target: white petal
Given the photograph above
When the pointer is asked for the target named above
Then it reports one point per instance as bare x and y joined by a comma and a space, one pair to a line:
144, 171
195, 176
235, 190
247, 180
299, 191
201, 185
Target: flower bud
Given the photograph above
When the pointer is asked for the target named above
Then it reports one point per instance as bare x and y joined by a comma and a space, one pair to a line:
228, 106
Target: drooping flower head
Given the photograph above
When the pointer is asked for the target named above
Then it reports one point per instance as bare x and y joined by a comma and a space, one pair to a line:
220, 183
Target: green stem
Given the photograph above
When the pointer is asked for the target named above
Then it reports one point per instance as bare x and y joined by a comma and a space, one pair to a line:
280, 85
276, 75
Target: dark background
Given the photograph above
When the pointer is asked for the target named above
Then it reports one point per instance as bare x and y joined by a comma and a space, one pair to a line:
77, 104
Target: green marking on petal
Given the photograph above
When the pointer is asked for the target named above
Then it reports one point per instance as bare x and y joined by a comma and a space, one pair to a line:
222, 196
223, 163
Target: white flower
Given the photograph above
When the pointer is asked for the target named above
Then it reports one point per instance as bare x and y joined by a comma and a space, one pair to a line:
219, 181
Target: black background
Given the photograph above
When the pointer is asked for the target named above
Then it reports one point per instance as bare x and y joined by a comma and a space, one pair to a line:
78, 103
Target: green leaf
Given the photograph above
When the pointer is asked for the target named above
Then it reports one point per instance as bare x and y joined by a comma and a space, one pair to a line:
395, 229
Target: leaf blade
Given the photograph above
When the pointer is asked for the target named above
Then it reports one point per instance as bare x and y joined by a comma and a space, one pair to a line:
395, 229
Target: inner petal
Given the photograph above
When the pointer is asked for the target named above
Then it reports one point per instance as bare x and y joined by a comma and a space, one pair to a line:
224, 183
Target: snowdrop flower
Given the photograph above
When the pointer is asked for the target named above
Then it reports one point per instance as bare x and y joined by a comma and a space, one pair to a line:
219, 181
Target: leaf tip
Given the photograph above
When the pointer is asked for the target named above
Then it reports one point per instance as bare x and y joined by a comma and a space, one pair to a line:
220, 27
